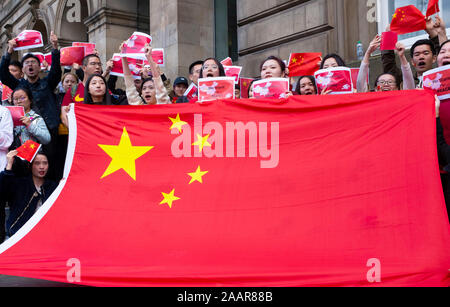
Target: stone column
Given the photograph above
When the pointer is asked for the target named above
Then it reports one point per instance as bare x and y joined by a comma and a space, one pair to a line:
185, 29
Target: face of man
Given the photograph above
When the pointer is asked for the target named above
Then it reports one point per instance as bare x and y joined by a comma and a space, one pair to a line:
423, 59
15, 71
93, 67
31, 68
195, 73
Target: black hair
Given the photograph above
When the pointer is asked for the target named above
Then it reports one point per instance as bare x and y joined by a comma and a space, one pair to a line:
250, 86
27, 92
29, 56
221, 68
423, 42
86, 59
311, 78
335, 56
143, 82
191, 67
87, 96
278, 60
444, 43
17, 64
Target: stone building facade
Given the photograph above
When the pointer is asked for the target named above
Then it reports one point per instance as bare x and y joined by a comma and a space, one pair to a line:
189, 30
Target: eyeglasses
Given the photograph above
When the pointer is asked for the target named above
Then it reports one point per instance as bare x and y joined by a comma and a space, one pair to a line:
382, 82
21, 99
212, 66
29, 63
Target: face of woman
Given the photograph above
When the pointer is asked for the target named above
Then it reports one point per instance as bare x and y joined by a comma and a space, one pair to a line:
386, 83
250, 92
444, 55
149, 92
307, 87
40, 167
271, 69
330, 62
97, 87
21, 99
68, 82
210, 69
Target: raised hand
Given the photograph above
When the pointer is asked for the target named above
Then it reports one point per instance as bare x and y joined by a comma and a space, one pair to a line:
11, 45
54, 40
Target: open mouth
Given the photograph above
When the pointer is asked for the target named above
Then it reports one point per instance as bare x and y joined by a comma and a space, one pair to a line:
421, 64
148, 97
210, 75
446, 62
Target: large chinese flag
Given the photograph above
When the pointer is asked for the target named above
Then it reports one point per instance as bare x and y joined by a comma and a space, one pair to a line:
308, 191
408, 19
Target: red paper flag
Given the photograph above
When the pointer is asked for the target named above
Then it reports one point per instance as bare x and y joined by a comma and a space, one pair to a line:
408, 19
227, 62
16, 113
134, 64
48, 58
89, 48
29, 39
233, 72
433, 7
388, 41
438, 81
135, 46
6, 92
337, 79
191, 92
28, 151
355, 73
274, 88
215, 88
304, 64
71, 55
310, 192
245, 84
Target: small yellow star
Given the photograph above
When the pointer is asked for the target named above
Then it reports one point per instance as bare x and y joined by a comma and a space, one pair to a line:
177, 123
197, 176
294, 60
169, 198
202, 142
32, 146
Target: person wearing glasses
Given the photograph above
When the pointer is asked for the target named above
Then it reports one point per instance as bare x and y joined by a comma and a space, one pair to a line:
386, 81
33, 125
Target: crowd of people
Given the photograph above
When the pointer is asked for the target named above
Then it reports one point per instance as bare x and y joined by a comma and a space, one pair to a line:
47, 99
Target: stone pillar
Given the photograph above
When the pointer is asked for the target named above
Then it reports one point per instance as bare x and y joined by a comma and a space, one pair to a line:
185, 29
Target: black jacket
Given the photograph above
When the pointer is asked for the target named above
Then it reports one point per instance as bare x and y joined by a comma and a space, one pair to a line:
23, 198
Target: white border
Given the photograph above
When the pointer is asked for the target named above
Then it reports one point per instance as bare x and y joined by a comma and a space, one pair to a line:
340, 68
214, 79
436, 70
186, 93
41, 44
138, 56
269, 80
39, 215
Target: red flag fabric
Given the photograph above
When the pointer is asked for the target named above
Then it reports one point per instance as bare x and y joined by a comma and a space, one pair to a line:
234, 72
388, 40
227, 62
48, 58
74, 96
433, 7
16, 113
6, 92
304, 64
245, 84
71, 55
408, 19
28, 150
322, 192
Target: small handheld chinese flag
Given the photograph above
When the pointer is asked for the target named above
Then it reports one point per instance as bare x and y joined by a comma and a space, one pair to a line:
433, 7
28, 151
304, 64
245, 84
71, 55
408, 19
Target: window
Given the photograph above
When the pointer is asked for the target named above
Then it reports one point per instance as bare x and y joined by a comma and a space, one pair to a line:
226, 29
387, 8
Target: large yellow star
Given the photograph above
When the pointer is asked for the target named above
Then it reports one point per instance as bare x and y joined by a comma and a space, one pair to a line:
124, 156
177, 123
202, 142
197, 176
169, 198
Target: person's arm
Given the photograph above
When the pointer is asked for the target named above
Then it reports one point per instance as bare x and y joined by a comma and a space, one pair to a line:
6, 130
361, 83
388, 61
161, 92
54, 76
38, 129
5, 75
407, 74
441, 30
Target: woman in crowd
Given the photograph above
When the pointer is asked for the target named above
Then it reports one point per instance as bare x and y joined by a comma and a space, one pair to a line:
273, 67
332, 60
152, 90
97, 92
387, 81
25, 195
212, 68
34, 127
306, 86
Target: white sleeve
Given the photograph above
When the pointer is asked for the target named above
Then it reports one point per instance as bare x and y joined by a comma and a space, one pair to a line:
6, 129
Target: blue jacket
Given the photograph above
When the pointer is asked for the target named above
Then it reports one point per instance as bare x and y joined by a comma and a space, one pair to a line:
44, 99
23, 198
